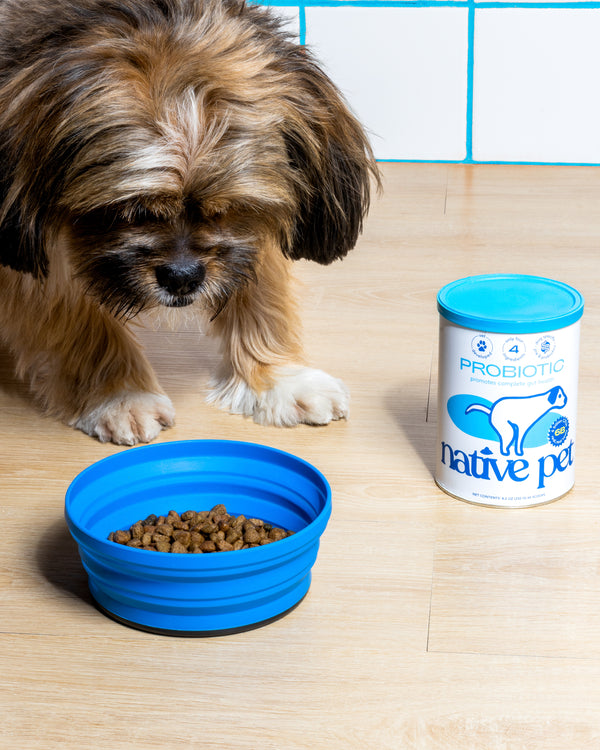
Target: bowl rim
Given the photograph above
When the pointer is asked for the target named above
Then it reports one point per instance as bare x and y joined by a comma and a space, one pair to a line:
213, 561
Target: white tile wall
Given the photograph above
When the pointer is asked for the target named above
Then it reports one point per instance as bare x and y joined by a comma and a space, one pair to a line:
464, 82
403, 71
536, 78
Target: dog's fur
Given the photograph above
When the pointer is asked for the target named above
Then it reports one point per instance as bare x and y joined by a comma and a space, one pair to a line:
167, 153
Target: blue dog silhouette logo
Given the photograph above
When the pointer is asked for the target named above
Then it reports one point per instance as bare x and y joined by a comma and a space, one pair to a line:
517, 422
514, 416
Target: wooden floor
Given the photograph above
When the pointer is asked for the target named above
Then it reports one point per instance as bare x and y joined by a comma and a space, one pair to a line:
430, 623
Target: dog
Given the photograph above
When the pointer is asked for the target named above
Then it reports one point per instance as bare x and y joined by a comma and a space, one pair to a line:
513, 417
167, 154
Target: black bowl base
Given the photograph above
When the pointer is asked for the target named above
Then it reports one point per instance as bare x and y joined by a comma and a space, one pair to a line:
195, 633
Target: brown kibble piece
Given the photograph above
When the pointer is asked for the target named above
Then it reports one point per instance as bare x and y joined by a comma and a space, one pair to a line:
251, 535
122, 537
276, 534
183, 537
177, 546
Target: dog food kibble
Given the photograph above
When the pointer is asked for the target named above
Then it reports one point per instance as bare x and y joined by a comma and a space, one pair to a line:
196, 532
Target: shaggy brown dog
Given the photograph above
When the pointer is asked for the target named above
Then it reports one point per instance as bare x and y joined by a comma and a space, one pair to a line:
166, 153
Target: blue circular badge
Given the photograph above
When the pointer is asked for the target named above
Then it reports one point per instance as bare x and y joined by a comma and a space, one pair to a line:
557, 434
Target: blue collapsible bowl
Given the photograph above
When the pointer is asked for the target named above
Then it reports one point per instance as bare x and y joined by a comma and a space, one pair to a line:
198, 594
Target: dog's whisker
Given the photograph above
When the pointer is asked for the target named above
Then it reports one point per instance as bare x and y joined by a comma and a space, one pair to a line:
220, 308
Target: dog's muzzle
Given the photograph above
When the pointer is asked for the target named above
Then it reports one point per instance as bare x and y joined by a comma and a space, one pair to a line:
180, 280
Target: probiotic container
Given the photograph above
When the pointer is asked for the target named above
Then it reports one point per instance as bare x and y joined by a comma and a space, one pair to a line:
507, 394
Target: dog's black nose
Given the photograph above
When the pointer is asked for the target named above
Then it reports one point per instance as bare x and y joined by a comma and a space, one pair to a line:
180, 279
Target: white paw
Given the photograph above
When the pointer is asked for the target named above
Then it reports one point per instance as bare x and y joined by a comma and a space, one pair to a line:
130, 417
300, 395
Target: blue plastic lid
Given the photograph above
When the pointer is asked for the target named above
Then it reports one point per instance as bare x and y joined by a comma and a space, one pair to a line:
510, 303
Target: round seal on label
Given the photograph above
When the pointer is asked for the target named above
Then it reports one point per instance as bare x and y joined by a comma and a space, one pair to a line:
557, 434
544, 346
481, 346
514, 348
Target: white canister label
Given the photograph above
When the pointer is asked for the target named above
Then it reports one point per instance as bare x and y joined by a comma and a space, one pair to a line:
507, 408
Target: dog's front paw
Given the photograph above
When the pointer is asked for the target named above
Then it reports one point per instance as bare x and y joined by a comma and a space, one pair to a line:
302, 395
128, 418
299, 395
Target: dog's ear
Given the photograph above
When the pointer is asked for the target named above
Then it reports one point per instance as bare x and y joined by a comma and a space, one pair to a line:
22, 241
331, 161
23, 210
553, 395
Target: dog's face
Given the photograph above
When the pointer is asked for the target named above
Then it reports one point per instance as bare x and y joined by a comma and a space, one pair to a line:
139, 255
557, 397
174, 145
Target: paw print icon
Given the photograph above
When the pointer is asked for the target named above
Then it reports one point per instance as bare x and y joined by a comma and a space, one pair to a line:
481, 346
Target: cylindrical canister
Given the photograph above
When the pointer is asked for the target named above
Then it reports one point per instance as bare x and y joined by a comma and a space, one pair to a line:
507, 389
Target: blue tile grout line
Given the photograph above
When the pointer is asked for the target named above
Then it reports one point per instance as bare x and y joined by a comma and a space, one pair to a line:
492, 163
472, 6
302, 23
470, 78
560, 4
545, 6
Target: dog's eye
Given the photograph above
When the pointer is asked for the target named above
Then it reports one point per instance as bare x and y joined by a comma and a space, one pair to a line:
150, 210
138, 215
213, 212
142, 251
198, 211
